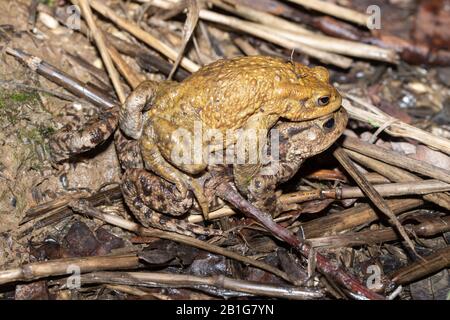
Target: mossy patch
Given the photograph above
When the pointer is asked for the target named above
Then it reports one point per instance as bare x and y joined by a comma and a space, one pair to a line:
50, 3
22, 97
21, 112
12, 104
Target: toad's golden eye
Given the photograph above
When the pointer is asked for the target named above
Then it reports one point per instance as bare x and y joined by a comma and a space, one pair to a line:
323, 101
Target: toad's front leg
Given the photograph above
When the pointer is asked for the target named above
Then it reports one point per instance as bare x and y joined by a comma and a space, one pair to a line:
250, 149
130, 116
156, 140
261, 190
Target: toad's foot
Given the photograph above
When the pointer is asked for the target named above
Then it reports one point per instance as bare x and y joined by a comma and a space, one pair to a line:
146, 194
160, 221
199, 194
76, 138
184, 184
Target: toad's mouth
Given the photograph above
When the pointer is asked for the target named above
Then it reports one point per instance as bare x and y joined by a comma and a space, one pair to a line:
334, 114
333, 121
328, 119
330, 122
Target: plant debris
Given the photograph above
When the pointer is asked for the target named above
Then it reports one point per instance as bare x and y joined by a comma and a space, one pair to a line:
367, 217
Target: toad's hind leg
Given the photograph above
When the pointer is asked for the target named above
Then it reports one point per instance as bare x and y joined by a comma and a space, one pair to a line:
74, 139
146, 194
155, 161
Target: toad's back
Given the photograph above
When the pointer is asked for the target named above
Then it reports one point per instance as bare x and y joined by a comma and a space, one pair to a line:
226, 93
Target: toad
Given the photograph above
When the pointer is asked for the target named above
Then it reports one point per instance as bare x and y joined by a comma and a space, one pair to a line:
152, 198
227, 95
297, 142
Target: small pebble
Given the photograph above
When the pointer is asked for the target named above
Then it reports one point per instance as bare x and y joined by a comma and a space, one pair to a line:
98, 63
64, 181
48, 20
14, 201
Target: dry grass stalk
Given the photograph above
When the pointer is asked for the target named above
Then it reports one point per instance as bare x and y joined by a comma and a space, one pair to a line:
257, 30
399, 189
339, 46
397, 159
125, 70
303, 36
159, 279
371, 193
263, 17
334, 10
142, 35
102, 48
246, 47
399, 175
163, 4
188, 29
394, 127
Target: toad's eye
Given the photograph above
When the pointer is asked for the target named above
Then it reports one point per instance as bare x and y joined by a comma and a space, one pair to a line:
323, 101
329, 124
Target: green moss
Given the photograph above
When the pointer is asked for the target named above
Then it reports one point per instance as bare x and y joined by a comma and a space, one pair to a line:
21, 97
46, 131
50, 3
11, 104
32, 135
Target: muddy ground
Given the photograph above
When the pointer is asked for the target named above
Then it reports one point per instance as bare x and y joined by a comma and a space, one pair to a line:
30, 112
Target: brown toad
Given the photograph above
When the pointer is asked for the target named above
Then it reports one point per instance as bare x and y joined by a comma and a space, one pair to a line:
297, 142
227, 95
148, 195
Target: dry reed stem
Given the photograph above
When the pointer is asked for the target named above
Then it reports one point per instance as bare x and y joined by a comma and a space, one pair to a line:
142, 35
37, 270
263, 17
84, 207
334, 10
102, 48
303, 36
159, 279
257, 30
396, 127
338, 46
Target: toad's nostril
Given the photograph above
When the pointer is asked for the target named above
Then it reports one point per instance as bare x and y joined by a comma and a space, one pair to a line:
329, 124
